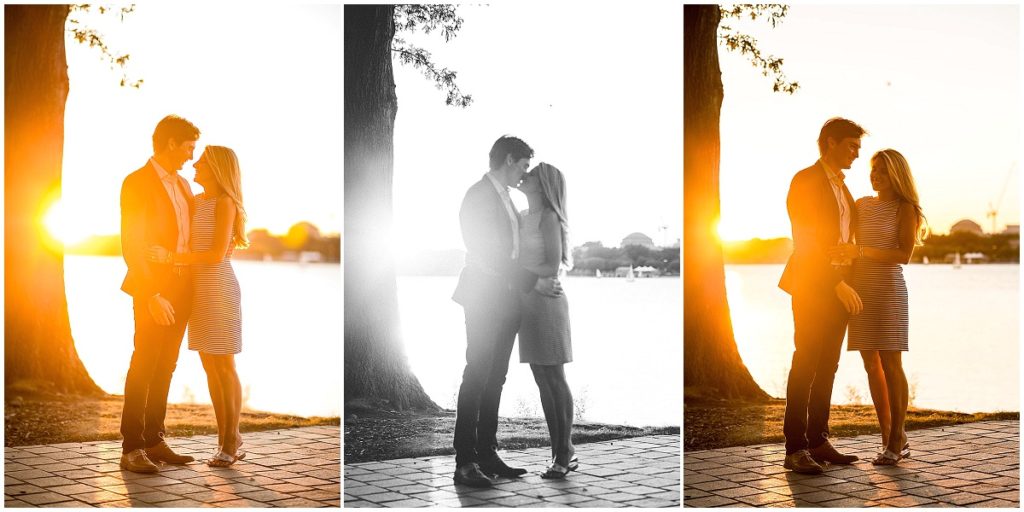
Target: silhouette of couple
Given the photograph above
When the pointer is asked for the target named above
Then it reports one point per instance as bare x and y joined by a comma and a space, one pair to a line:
178, 251
510, 286
845, 271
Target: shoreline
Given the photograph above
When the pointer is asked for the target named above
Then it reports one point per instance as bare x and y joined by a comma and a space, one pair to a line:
383, 435
712, 425
32, 418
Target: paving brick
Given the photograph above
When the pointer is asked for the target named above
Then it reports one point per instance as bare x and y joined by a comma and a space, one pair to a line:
20, 489
43, 498
710, 501
72, 489
763, 499
962, 498
244, 503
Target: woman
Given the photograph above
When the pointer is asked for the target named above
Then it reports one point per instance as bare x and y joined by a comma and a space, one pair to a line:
544, 338
889, 226
215, 327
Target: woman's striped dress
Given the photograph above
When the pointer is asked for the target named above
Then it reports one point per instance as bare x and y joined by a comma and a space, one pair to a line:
883, 324
215, 326
545, 337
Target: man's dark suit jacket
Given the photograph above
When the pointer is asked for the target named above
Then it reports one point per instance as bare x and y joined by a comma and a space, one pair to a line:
487, 233
147, 219
814, 215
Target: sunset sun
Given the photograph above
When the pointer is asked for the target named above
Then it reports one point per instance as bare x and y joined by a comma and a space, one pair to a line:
63, 225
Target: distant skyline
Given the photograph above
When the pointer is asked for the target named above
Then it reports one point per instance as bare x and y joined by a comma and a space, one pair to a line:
264, 80
605, 107
940, 83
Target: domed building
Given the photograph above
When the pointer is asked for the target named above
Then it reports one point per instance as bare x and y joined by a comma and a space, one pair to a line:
638, 239
966, 226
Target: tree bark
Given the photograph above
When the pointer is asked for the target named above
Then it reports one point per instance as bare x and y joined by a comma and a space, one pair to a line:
712, 364
377, 372
39, 352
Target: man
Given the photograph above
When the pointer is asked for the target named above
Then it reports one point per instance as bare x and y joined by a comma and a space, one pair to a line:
156, 207
488, 292
821, 211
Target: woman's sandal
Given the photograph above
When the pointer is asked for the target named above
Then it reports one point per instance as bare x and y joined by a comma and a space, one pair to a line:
887, 458
222, 459
555, 472
574, 463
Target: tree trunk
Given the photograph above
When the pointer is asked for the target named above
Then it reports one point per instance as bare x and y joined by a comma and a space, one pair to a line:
39, 352
377, 372
712, 364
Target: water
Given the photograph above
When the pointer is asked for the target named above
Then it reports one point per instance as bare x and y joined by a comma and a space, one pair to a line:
627, 348
291, 334
964, 332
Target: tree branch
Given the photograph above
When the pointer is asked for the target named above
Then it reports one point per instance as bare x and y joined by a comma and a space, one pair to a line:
89, 36
428, 18
747, 45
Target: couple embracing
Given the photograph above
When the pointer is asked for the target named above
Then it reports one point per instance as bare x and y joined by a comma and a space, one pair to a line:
510, 286
178, 251
845, 274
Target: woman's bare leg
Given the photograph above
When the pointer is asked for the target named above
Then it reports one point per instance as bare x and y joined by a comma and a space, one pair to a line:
896, 379
216, 394
540, 375
232, 402
564, 411
879, 391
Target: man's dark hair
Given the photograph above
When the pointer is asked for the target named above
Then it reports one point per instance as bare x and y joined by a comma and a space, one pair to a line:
508, 145
173, 127
838, 129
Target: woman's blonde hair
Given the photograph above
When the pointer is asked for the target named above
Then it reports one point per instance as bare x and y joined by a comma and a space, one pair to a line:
224, 164
903, 185
552, 184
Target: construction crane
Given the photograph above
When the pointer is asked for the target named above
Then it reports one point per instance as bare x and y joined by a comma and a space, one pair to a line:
994, 211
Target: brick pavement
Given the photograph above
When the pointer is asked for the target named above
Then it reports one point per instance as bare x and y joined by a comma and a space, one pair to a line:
972, 465
636, 472
284, 468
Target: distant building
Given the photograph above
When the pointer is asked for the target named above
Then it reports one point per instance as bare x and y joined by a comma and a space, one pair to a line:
1012, 229
638, 239
975, 257
966, 226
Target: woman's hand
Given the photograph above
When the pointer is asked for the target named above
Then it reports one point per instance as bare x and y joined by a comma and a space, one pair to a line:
158, 254
844, 252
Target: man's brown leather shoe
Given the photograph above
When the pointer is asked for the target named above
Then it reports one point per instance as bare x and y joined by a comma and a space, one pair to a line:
826, 453
470, 474
801, 462
137, 462
162, 453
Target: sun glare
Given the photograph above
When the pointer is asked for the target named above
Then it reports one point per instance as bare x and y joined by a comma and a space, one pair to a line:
728, 232
64, 226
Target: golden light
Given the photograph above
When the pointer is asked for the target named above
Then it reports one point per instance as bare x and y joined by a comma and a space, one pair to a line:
64, 226
729, 232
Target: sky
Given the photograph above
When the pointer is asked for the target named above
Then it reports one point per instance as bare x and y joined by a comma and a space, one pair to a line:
265, 81
597, 93
940, 84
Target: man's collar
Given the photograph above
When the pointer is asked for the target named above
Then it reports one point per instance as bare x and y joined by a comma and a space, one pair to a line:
496, 182
160, 171
830, 172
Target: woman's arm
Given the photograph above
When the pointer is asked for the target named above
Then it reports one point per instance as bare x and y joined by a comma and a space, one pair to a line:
907, 224
551, 232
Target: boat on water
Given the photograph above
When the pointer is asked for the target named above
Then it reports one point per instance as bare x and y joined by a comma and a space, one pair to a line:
597, 273
630, 277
